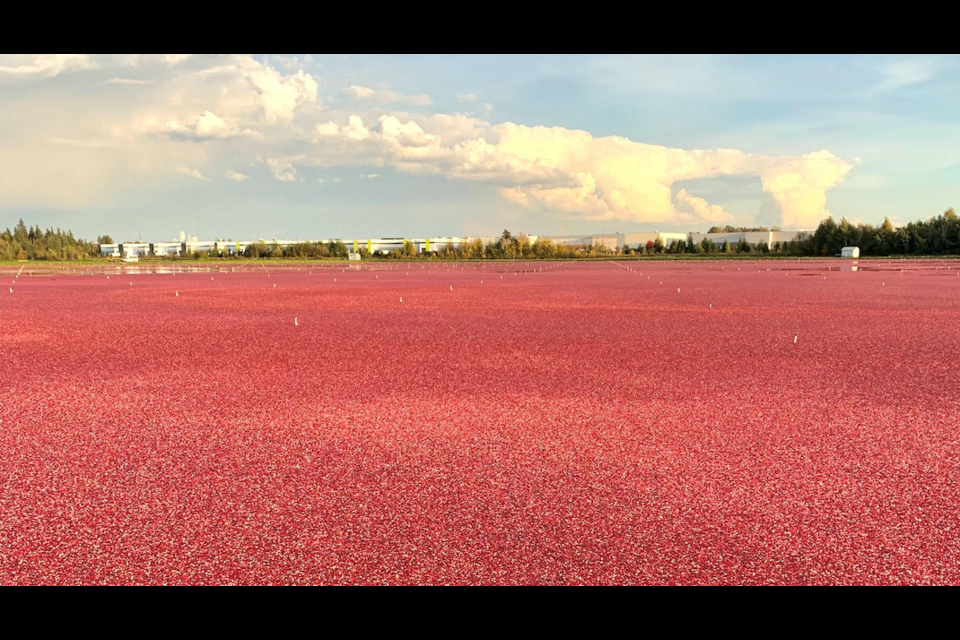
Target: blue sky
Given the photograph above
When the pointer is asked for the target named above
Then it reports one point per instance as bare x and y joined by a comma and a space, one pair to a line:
313, 146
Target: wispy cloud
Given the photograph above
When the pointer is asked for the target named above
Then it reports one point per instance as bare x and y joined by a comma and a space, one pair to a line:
900, 74
130, 81
43, 65
236, 176
89, 143
386, 96
483, 108
193, 173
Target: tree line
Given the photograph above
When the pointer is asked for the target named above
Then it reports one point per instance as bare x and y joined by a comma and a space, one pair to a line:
730, 229
33, 243
301, 250
939, 235
507, 247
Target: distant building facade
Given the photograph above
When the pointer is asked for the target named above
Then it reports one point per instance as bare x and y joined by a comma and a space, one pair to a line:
753, 238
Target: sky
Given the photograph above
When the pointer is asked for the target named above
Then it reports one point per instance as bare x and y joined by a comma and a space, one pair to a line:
352, 146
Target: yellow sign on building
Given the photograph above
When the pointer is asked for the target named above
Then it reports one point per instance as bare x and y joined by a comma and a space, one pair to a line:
354, 246
428, 245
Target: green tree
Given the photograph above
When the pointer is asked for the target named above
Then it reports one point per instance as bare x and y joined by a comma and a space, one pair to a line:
20, 233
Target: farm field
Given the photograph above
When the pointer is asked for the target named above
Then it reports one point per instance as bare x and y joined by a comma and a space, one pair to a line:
788, 422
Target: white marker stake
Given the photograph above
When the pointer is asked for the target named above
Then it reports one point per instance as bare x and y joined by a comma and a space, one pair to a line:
296, 321
451, 287
401, 298
795, 336
177, 293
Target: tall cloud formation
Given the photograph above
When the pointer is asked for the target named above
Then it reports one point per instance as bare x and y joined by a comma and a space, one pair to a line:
200, 116
579, 175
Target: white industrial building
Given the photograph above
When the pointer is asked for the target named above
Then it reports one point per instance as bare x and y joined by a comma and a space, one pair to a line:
753, 238
614, 241
422, 245
850, 252
634, 240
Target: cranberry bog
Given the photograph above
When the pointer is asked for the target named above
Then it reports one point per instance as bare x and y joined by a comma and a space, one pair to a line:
731, 422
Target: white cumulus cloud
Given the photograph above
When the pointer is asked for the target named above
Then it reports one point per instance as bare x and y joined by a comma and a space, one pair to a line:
283, 168
703, 210
279, 95
173, 59
579, 175
207, 125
